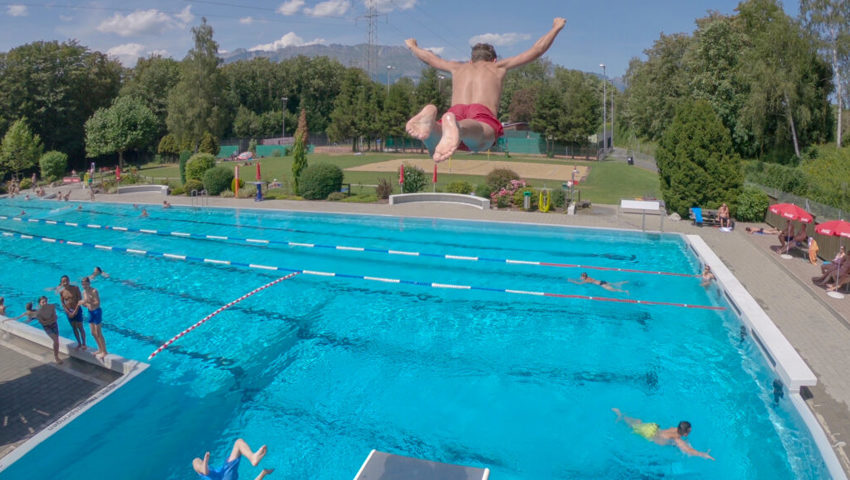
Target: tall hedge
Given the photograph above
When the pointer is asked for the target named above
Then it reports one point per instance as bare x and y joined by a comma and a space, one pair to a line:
217, 180
53, 165
697, 164
198, 164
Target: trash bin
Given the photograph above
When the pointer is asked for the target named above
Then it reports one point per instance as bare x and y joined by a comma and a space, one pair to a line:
630, 160
526, 200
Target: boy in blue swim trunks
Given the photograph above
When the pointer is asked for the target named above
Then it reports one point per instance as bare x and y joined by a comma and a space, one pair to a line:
91, 300
230, 470
668, 436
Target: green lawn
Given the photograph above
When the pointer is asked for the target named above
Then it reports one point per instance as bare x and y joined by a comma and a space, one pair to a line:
608, 182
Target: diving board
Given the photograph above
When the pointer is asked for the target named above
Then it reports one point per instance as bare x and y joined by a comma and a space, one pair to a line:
386, 466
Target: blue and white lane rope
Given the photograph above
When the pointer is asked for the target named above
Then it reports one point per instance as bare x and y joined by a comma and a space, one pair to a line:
189, 258
259, 241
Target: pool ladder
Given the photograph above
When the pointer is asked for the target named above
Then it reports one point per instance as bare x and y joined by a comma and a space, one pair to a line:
200, 199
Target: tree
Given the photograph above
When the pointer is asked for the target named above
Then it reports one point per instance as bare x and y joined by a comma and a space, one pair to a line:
428, 90
548, 113
53, 165
299, 156
209, 144
397, 108
168, 147
197, 104
151, 80
829, 22
21, 148
57, 86
529, 77
697, 164
343, 123
127, 124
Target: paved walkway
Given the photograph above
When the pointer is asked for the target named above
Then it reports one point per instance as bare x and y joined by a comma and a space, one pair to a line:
817, 325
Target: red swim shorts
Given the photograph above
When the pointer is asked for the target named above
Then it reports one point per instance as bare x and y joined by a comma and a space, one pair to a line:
479, 113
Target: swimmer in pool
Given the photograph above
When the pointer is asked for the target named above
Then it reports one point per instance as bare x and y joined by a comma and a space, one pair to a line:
611, 287
668, 436
230, 470
707, 276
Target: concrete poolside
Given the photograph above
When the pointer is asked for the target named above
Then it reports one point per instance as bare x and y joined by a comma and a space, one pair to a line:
816, 325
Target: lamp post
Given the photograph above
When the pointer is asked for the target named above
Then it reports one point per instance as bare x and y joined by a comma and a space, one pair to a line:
604, 107
440, 78
389, 67
283, 117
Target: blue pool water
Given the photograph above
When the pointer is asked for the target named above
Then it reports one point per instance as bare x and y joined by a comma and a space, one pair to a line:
324, 369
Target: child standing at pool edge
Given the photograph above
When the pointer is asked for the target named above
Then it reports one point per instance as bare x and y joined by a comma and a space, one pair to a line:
91, 300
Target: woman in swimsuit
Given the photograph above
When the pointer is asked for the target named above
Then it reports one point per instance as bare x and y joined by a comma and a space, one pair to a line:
611, 287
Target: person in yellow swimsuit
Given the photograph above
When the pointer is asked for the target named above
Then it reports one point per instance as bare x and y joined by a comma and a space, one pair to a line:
668, 436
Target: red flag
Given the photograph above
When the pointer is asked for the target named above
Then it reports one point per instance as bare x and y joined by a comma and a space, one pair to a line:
435, 173
118, 173
258, 171
401, 175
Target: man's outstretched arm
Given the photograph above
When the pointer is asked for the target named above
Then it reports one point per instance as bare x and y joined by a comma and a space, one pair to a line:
537, 50
428, 57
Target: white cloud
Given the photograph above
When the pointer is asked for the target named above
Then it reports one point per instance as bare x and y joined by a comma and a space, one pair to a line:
17, 11
386, 6
246, 20
329, 8
222, 51
159, 52
436, 50
65, 18
288, 40
127, 53
145, 22
185, 15
499, 39
290, 7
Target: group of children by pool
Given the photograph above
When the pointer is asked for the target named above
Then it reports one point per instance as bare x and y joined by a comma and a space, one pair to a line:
72, 301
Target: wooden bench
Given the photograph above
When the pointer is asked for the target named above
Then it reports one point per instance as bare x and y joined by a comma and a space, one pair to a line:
709, 217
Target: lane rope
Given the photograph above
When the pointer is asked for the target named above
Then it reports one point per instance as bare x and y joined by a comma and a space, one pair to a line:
260, 241
219, 310
189, 258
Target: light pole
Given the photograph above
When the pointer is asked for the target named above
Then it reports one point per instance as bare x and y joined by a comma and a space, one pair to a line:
440, 78
389, 67
604, 107
283, 117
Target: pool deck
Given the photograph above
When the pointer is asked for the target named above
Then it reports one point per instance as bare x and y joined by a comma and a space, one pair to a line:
817, 325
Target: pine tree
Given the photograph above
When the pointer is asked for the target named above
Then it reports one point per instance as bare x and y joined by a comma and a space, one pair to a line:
299, 160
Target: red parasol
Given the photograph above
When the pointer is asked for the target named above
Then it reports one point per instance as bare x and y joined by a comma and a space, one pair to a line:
258, 172
836, 228
118, 174
401, 175
791, 212
435, 173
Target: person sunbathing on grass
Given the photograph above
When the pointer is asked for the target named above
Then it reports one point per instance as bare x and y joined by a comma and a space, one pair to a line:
471, 122
611, 287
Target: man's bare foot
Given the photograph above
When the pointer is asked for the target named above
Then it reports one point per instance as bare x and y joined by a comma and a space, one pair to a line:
58, 360
451, 138
422, 123
258, 455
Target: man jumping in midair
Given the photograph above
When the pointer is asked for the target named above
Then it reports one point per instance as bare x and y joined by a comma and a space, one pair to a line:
471, 123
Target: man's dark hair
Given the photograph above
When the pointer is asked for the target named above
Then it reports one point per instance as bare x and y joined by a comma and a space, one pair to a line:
483, 51
684, 428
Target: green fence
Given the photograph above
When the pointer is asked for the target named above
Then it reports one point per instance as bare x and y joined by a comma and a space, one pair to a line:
226, 151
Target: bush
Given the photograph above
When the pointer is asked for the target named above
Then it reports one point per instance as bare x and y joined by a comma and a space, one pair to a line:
193, 184
227, 194
184, 157
414, 179
500, 178
483, 191
384, 189
198, 164
248, 192
320, 180
168, 148
53, 165
787, 179
504, 196
177, 190
459, 187
25, 183
519, 195
336, 197
752, 205
559, 198
233, 184
217, 179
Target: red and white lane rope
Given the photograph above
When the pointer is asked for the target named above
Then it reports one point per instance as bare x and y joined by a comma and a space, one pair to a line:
221, 309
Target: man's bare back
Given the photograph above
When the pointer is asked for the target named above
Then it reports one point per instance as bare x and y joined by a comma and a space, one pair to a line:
475, 84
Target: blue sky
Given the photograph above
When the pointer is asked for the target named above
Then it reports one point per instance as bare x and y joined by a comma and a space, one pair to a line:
601, 31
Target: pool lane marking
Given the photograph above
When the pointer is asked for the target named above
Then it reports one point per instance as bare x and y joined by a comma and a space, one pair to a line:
368, 278
360, 249
219, 310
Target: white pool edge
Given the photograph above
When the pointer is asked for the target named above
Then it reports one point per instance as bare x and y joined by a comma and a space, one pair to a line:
780, 355
128, 369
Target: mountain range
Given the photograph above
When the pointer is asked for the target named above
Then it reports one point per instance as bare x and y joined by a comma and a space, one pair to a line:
403, 63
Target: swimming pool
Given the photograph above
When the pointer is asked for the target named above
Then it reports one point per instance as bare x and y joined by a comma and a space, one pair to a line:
323, 369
